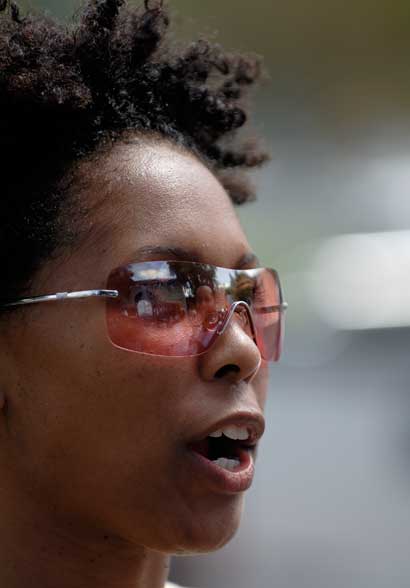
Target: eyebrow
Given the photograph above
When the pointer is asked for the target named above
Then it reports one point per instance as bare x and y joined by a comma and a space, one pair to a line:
248, 258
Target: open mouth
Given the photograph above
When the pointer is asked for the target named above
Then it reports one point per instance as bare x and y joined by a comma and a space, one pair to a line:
225, 452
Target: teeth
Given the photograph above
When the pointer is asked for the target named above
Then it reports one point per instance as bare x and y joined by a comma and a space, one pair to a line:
216, 434
236, 433
232, 432
227, 464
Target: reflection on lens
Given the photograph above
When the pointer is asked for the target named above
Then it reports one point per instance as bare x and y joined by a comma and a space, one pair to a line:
172, 315
144, 309
268, 318
177, 308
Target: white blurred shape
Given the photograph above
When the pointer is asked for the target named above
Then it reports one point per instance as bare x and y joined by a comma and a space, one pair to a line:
362, 281
309, 341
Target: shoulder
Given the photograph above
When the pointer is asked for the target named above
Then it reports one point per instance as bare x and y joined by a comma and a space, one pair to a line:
172, 585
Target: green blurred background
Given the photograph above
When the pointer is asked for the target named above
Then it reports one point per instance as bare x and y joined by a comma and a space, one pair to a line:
330, 503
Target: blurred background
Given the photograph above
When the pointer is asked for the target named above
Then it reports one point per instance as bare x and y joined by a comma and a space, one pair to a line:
330, 504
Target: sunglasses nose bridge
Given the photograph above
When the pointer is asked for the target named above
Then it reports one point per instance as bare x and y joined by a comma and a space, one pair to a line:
233, 309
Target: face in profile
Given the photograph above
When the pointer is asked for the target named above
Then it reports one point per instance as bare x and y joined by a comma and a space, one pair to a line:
101, 436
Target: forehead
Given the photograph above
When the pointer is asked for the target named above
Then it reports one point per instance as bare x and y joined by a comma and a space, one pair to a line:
154, 194
141, 198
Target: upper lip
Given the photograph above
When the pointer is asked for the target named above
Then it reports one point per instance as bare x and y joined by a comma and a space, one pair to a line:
252, 420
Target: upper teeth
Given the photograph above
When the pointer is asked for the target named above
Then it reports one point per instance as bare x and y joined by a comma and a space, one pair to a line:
232, 432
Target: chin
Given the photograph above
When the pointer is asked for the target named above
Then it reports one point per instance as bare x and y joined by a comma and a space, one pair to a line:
210, 530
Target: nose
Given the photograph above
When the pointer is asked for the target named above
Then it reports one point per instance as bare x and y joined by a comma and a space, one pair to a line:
234, 355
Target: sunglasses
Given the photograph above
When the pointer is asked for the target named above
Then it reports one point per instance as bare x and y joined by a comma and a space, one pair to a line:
180, 308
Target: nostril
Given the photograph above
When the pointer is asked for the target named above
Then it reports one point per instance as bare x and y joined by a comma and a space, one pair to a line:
226, 369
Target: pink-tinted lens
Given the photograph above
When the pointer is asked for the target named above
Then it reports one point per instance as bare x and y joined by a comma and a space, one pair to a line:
268, 314
163, 309
176, 308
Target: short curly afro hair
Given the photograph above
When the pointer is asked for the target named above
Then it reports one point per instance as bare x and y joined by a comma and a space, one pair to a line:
67, 90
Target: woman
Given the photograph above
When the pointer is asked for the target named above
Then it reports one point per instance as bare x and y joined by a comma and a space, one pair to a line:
131, 407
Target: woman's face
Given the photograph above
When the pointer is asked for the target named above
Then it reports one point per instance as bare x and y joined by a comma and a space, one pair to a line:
100, 435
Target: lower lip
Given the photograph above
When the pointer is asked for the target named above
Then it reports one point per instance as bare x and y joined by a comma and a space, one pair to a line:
226, 481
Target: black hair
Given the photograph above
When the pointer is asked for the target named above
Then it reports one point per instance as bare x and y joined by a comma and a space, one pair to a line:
65, 90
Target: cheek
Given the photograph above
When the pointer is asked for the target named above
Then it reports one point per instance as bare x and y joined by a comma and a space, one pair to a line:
107, 403
82, 412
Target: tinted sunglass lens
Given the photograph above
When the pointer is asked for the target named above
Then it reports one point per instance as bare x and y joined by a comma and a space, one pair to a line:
164, 314
178, 308
268, 316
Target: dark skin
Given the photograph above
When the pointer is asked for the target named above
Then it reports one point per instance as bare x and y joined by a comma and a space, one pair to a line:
95, 489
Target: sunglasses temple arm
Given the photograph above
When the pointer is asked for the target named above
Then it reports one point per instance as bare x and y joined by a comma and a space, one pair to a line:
269, 309
65, 296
